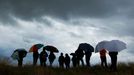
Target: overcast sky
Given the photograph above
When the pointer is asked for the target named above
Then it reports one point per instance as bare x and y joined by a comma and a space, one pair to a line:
65, 24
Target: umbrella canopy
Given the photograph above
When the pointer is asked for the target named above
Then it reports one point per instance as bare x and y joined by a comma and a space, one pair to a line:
35, 47
115, 46
18, 52
72, 54
51, 48
15, 55
86, 47
101, 45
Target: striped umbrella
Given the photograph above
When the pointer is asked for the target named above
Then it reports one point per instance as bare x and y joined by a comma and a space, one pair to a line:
35, 47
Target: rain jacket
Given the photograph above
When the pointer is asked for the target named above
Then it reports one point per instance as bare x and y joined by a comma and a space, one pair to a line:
103, 53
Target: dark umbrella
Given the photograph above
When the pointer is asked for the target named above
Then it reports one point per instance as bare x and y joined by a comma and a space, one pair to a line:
23, 52
16, 53
86, 47
51, 48
72, 54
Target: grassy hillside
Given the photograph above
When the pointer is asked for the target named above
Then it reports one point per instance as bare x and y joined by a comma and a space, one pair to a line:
6, 69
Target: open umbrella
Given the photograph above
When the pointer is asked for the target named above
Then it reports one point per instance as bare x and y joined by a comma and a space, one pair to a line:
35, 47
51, 48
23, 52
72, 54
15, 55
86, 47
101, 45
17, 52
115, 46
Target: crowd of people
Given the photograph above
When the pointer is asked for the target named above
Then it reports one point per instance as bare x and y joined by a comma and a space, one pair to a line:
77, 58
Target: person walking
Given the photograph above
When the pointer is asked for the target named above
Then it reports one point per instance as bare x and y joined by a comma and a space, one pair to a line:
80, 54
35, 57
61, 60
51, 58
74, 59
21, 54
67, 61
43, 58
113, 56
87, 57
103, 58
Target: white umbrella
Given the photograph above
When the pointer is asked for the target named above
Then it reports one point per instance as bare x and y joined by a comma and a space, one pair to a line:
101, 45
115, 46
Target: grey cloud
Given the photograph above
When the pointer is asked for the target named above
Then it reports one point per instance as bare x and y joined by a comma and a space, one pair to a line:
120, 30
72, 34
64, 9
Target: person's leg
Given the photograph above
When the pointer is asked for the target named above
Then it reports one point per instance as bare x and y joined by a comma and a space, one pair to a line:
115, 63
35, 58
112, 63
44, 64
105, 62
59, 64
111, 66
62, 65
50, 63
69, 65
101, 61
82, 61
87, 60
78, 62
35, 61
19, 63
66, 65
41, 63
74, 63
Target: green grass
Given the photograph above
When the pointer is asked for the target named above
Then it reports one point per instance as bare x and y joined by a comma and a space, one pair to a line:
7, 69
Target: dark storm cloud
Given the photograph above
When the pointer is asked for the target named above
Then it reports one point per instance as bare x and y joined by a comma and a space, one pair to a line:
64, 23
33, 9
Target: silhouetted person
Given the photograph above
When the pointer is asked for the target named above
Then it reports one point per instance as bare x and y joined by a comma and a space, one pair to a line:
67, 61
35, 57
87, 57
61, 60
80, 54
74, 60
20, 60
43, 57
51, 58
21, 54
113, 56
103, 58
